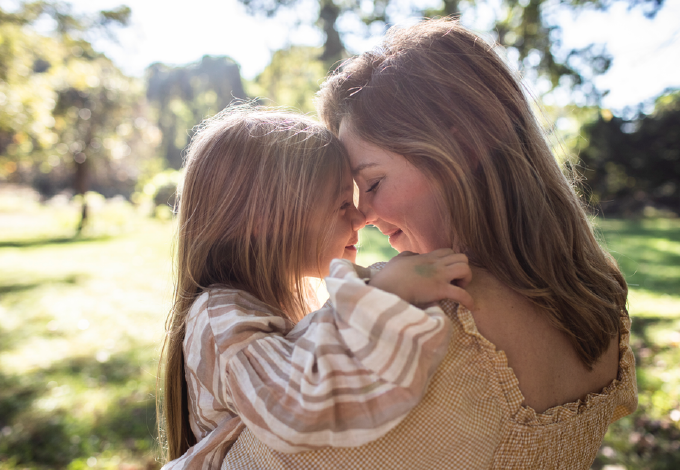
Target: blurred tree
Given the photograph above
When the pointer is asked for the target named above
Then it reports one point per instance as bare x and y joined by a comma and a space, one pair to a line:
523, 26
69, 117
633, 164
184, 96
101, 127
291, 78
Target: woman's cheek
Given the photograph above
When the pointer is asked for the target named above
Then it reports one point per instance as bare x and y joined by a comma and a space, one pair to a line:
389, 209
378, 206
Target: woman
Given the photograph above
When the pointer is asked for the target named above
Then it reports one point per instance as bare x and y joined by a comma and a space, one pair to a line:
446, 153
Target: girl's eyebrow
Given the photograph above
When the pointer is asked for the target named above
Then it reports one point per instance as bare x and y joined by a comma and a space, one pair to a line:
359, 168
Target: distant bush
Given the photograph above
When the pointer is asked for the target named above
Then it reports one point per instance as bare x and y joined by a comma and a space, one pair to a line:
633, 166
161, 192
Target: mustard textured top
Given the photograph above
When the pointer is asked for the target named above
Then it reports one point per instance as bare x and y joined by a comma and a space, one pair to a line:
472, 418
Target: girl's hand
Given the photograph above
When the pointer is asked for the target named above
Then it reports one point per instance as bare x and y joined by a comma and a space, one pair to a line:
423, 279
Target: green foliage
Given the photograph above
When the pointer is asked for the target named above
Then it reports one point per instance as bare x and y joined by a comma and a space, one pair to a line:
70, 119
526, 27
291, 79
373, 247
161, 192
633, 164
26, 98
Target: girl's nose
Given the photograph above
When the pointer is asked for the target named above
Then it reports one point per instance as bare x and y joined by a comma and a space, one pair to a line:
358, 219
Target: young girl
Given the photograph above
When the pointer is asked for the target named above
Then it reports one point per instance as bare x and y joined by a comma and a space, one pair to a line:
267, 201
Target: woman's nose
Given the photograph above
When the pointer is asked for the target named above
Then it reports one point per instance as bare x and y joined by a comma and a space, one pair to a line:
366, 210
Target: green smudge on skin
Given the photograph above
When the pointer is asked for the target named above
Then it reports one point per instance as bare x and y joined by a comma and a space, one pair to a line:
425, 270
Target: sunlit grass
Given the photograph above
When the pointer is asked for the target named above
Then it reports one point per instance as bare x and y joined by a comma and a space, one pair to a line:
648, 252
81, 323
373, 247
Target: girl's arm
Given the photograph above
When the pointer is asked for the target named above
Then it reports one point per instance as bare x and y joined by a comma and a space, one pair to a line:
344, 376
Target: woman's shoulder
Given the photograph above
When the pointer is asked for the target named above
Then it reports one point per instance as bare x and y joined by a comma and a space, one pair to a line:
543, 359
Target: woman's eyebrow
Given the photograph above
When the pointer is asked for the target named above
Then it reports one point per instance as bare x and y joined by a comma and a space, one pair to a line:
359, 168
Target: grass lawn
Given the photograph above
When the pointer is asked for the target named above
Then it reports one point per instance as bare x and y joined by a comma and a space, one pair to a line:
80, 326
648, 252
81, 322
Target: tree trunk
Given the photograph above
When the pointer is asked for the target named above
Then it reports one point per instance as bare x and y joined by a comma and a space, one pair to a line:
80, 184
451, 7
333, 48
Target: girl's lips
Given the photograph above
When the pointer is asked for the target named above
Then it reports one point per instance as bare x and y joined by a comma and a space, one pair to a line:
352, 242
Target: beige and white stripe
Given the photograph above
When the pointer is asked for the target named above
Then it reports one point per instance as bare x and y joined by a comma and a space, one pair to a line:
344, 376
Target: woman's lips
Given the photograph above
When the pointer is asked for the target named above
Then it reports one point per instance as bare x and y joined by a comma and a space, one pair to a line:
393, 236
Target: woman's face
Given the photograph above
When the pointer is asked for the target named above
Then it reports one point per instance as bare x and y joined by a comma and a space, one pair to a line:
395, 196
345, 222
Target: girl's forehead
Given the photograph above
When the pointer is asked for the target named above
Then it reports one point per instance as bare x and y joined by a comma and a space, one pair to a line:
347, 181
336, 186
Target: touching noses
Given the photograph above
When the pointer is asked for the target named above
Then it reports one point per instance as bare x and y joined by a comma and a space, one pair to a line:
366, 210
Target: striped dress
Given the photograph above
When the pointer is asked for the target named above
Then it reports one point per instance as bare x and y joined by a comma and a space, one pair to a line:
344, 376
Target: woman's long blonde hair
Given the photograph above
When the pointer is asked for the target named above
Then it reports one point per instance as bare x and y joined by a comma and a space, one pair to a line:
254, 181
440, 96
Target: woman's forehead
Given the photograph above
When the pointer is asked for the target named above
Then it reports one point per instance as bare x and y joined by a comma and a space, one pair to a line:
362, 154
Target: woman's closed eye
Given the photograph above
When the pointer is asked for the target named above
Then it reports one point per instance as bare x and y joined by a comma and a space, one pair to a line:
373, 186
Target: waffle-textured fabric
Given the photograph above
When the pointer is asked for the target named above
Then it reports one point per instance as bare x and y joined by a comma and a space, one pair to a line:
472, 418
343, 376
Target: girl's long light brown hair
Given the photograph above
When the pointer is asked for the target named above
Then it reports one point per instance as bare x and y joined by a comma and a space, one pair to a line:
254, 181
440, 96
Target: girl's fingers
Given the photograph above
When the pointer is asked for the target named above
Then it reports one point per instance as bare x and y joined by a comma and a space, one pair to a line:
455, 258
461, 296
405, 254
460, 273
442, 252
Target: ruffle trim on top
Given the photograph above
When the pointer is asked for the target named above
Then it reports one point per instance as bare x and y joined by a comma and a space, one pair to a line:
509, 384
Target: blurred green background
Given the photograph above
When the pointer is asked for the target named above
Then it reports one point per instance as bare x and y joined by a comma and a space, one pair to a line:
89, 162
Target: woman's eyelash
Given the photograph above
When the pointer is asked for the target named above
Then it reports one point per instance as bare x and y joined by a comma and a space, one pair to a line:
373, 186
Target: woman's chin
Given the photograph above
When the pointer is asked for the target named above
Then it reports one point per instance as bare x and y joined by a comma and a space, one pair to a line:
400, 242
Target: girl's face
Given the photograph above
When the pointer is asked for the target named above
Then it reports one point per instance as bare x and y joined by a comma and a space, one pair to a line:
395, 196
345, 222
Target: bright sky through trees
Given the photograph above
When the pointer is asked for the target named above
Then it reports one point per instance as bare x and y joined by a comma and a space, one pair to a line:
645, 51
